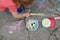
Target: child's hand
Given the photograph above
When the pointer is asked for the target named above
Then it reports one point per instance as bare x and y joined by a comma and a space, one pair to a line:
27, 14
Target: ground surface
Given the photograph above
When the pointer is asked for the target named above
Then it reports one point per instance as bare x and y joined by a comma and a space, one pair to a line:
23, 33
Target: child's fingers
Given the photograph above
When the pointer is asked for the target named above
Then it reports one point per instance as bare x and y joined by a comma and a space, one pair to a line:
27, 14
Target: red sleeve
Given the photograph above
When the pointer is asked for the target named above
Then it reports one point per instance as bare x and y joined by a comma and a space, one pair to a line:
2, 8
12, 8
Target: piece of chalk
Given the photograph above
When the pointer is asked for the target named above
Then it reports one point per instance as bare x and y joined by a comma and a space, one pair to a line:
58, 8
49, 23
57, 17
10, 31
58, 0
46, 22
37, 14
42, 1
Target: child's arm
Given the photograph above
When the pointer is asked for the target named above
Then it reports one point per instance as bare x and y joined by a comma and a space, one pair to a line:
13, 9
22, 15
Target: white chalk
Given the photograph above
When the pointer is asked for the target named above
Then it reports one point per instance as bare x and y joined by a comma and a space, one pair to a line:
10, 31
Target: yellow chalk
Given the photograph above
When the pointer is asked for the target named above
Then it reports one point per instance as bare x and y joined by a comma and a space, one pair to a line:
37, 14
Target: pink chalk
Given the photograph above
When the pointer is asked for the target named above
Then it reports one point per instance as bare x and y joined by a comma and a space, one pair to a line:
57, 17
12, 28
17, 26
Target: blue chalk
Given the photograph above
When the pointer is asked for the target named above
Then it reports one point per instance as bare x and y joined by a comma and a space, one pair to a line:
35, 26
43, 1
58, 0
20, 9
58, 8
